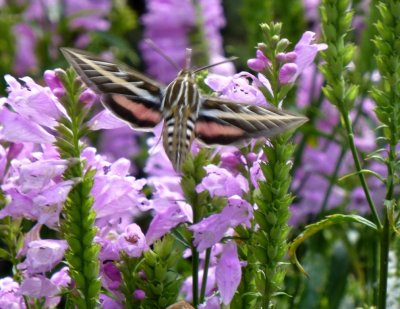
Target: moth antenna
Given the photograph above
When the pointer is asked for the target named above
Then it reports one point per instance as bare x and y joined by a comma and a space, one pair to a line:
162, 54
231, 59
188, 58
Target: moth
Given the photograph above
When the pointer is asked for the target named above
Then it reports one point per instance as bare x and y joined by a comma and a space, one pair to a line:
143, 103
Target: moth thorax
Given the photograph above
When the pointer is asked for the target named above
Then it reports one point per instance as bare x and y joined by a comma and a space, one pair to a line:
182, 91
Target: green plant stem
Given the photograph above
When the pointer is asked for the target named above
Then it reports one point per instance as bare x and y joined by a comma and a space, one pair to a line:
78, 224
195, 275
384, 261
350, 139
385, 233
339, 161
195, 262
205, 274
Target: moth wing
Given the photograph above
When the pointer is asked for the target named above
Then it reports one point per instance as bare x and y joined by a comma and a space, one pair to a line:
128, 94
226, 122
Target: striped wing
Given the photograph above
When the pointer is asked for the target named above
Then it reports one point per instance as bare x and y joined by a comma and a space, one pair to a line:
128, 94
227, 122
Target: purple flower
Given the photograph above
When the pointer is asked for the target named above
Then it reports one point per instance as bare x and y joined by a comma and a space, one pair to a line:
106, 120
109, 303
310, 200
88, 97
116, 195
61, 278
16, 128
121, 142
132, 241
287, 73
35, 176
88, 14
230, 159
305, 54
309, 86
38, 286
220, 182
43, 255
36, 189
111, 276
228, 272
172, 214
34, 102
106, 238
211, 303
213, 228
139, 294
259, 63
158, 163
54, 83
237, 87
186, 288
311, 9
10, 296
25, 58
213, 20
167, 23
209, 231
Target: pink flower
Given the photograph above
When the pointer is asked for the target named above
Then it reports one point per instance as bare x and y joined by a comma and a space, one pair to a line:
220, 182
213, 228
38, 286
305, 53
171, 216
43, 255
259, 63
132, 241
10, 296
139, 294
111, 276
228, 272
241, 87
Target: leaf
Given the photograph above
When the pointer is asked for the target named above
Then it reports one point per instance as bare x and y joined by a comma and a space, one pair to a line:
391, 206
4, 255
312, 229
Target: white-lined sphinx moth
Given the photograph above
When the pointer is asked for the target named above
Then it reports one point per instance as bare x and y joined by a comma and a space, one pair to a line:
143, 103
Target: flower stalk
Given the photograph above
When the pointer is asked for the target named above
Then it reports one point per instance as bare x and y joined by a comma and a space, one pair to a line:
336, 20
387, 99
79, 217
269, 242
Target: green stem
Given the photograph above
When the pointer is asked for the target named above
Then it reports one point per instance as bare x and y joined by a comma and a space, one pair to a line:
339, 161
78, 224
350, 138
195, 261
384, 261
205, 274
195, 275
385, 233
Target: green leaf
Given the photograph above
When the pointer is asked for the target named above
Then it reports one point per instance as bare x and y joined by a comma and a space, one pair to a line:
312, 229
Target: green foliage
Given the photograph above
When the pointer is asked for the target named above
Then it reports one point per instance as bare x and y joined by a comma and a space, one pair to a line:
161, 282
7, 47
312, 229
268, 243
336, 23
387, 96
78, 224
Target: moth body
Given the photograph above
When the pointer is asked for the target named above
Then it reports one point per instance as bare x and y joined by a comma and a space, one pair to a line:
180, 106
